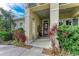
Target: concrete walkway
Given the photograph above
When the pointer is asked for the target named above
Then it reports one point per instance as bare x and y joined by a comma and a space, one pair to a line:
10, 50
36, 50
42, 42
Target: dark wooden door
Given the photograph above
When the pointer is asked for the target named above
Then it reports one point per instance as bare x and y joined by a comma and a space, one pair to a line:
45, 28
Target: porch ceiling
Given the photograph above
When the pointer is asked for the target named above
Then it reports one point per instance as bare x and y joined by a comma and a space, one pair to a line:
40, 7
68, 5
42, 11
44, 14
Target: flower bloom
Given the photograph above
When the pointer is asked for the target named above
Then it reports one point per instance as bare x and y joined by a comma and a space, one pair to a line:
64, 34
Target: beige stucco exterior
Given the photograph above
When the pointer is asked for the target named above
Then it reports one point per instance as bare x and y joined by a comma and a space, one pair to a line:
31, 23
35, 23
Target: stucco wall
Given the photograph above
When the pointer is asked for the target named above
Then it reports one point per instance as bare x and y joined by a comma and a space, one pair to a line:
35, 23
31, 24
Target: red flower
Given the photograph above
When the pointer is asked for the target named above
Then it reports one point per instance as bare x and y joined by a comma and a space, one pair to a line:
20, 36
64, 34
53, 31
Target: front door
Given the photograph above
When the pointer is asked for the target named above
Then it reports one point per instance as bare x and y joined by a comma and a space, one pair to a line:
45, 28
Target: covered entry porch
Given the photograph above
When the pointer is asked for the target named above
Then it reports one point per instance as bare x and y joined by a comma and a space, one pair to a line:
38, 22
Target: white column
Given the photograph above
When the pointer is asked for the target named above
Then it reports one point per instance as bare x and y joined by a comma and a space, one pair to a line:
54, 14
54, 19
28, 25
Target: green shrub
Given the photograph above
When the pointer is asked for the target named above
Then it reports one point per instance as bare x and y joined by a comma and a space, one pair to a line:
21, 30
6, 36
68, 37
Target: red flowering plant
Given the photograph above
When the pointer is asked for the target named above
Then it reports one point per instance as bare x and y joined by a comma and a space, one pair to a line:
19, 35
64, 34
54, 41
53, 30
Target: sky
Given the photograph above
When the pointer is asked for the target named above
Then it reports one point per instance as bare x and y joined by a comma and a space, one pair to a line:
17, 8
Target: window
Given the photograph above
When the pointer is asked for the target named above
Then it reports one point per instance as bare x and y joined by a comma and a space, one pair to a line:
21, 25
68, 22
60, 22
75, 21
16, 25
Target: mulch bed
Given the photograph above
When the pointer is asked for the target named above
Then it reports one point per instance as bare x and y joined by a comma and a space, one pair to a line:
52, 53
49, 52
28, 46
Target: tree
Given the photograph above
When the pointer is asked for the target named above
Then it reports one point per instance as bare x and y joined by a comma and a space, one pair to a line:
1, 22
7, 17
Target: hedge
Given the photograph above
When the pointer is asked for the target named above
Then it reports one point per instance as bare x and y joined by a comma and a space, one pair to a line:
68, 37
6, 36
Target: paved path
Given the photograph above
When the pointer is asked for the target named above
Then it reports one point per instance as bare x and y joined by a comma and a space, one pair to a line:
10, 50
43, 42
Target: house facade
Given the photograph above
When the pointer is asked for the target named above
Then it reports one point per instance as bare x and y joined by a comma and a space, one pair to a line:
39, 18
19, 23
69, 13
